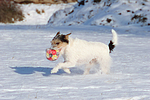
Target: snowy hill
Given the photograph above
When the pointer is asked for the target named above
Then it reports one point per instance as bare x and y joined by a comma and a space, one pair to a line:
106, 12
32, 17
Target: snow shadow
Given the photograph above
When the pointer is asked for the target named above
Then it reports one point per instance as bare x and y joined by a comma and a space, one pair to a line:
45, 71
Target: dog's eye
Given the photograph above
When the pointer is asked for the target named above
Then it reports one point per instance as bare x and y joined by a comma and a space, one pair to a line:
57, 43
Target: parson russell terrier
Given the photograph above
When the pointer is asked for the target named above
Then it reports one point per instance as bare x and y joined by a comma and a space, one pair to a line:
79, 52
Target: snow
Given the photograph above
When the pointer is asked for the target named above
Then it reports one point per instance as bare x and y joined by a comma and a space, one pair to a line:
25, 71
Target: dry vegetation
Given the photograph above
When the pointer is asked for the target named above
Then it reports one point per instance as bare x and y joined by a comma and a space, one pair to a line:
10, 12
43, 1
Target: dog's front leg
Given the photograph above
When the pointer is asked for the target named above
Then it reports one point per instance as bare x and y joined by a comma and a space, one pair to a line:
64, 65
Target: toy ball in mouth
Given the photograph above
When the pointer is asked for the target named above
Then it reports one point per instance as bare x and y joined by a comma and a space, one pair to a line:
52, 54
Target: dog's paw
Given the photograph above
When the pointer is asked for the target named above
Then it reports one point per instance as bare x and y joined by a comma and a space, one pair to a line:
54, 70
85, 73
67, 70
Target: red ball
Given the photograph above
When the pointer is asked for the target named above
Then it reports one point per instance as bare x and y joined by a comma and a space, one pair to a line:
52, 54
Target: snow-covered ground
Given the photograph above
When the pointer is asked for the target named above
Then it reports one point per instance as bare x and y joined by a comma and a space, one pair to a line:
25, 71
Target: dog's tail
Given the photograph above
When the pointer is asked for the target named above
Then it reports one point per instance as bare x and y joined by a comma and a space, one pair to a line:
114, 41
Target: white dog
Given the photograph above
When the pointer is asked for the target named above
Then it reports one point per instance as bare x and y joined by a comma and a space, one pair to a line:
79, 52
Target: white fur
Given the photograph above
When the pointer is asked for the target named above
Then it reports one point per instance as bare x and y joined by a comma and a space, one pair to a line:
115, 38
79, 52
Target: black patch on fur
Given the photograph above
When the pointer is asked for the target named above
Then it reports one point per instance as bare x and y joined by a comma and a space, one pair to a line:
111, 46
63, 39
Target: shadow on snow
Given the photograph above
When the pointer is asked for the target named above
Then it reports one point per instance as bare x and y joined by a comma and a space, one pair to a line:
45, 70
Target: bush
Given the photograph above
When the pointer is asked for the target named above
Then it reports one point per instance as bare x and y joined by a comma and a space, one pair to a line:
97, 1
40, 12
10, 12
139, 18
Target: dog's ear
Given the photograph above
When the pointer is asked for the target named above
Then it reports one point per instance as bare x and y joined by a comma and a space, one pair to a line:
67, 36
57, 33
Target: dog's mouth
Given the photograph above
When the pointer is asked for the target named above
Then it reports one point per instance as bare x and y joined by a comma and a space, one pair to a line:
59, 50
56, 48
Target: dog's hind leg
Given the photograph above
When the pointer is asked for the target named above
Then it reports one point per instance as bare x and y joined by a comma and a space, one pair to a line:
105, 65
87, 69
89, 66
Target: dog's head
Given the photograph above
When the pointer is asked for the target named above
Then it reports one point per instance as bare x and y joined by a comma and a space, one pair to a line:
60, 41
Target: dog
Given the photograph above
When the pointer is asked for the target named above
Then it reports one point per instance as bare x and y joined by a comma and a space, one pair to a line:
81, 52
